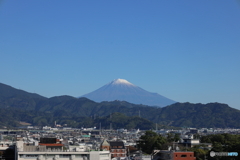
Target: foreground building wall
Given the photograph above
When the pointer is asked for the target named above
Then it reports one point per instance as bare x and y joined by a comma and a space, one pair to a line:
173, 155
183, 156
24, 152
93, 155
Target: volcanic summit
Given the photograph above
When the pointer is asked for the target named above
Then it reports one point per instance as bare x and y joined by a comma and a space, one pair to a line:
121, 89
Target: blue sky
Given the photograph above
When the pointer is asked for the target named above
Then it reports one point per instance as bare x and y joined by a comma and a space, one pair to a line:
188, 51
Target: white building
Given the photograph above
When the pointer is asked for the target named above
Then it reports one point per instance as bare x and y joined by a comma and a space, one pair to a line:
37, 152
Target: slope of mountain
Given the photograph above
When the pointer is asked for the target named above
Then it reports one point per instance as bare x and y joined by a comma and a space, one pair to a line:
7, 91
199, 115
119, 120
123, 90
12, 97
17, 105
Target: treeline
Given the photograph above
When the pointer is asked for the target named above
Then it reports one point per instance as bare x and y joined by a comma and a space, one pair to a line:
220, 143
152, 141
11, 119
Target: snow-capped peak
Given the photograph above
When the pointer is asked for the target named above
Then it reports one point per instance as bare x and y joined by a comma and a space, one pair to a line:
121, 81
122, 90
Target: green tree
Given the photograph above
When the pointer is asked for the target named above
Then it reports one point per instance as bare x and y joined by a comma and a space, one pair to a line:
151, 141
170, 137
196, 136
177, 137
199, 152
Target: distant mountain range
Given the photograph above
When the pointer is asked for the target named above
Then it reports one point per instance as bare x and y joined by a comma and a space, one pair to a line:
18, 105
122, 90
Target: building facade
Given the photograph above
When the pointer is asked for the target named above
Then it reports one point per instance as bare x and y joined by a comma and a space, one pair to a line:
117, 149
56, 152
173, 155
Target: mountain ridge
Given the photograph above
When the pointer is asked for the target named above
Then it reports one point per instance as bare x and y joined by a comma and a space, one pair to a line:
9, 91
78, 111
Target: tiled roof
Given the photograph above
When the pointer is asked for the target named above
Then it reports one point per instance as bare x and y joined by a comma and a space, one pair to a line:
115, 144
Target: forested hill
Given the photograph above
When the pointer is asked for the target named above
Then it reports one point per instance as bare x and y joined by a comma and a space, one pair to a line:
17, 105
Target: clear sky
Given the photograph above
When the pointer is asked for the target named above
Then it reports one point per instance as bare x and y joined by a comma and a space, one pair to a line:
188, 51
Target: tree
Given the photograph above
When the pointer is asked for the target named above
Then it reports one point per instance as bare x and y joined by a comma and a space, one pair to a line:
223, 143
151, 141
177, 137
170, 137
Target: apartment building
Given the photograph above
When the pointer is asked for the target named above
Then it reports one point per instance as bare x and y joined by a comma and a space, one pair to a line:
56, 151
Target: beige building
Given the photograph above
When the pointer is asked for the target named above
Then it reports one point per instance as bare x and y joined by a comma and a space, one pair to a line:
51, 152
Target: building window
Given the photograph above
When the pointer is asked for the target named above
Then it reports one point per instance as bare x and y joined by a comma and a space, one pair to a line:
183, 155
78, 156
105, 148
64, 155
21, 155
31, 155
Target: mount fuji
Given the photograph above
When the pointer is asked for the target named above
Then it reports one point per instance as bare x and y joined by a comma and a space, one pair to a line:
121, 89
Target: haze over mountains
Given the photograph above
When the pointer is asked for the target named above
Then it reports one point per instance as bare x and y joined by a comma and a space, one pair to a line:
122, 90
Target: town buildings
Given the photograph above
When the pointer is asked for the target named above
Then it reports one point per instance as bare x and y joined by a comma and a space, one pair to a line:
55, 151
78, 144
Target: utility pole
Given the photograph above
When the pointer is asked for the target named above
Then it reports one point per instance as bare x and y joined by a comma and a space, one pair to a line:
100, 129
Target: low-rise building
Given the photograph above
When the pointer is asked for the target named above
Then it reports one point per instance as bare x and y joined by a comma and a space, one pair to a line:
173, 155
117, 148
56, 151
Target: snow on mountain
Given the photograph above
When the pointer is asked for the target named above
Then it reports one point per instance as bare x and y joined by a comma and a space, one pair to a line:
121, 89
120, 82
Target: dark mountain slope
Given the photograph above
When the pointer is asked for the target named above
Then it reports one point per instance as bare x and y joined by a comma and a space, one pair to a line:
11, 97
7, 91
200, 115
38, 110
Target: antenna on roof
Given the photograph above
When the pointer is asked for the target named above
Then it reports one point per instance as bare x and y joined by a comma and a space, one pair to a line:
100, 129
